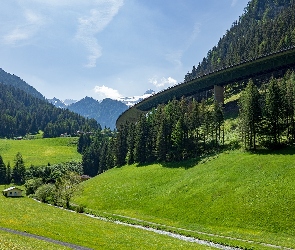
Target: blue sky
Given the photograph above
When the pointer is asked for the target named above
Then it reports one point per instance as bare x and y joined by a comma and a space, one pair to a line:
70, 49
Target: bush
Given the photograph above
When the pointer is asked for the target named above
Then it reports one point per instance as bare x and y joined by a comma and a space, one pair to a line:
46, 193
32, 185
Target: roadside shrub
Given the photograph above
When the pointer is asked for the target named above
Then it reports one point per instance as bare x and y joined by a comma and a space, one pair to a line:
32, 185
46, 193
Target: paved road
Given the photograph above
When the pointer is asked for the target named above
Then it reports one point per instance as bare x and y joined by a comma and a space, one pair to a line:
73, 246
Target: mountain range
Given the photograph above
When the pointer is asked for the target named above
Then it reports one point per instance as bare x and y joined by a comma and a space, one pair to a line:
105, 112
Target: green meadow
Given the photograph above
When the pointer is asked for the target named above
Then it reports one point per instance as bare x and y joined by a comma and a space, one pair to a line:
17, 242
25, 214
40, 152
249, 197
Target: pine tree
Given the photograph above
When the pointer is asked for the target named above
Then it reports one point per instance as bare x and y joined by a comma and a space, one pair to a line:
121, 146
3, 171
250, 115
8, 173
273, 114
161, 140
19, 170
178, 140
140, 153
130, 143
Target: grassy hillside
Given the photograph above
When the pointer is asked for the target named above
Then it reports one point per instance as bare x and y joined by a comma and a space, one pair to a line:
25, 214
12, 241
237, 194
40, 152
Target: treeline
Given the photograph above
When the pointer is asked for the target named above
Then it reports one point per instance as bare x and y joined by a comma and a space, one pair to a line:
180, 130
21, 114
266, 26
18, 173
267, 115
185, 129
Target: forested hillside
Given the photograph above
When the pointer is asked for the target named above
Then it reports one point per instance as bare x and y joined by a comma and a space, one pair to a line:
21, 113
15, 81
266, 26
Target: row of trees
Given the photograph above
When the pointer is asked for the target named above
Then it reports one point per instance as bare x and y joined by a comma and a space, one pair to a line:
20, 174
267, 116
15, 174
179, 130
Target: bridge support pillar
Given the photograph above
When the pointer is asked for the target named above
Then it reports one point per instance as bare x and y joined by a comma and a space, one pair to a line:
219, 93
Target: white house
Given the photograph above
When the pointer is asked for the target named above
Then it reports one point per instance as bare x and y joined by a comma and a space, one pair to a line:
12, 192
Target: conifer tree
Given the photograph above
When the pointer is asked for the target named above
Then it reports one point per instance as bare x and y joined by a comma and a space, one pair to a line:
130, 143
3, 171
8, 173
19, 170
250, 115
178, 140
273, 114
140, 154
121, 146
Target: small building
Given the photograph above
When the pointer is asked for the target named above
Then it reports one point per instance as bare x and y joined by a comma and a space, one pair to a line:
12, 192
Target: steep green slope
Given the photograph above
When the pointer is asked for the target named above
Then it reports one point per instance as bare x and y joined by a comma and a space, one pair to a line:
237, 194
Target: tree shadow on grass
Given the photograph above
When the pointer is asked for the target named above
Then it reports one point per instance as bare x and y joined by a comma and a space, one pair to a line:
279, 150
190, 163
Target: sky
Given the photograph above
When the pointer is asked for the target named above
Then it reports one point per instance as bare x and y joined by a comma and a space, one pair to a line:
70, 49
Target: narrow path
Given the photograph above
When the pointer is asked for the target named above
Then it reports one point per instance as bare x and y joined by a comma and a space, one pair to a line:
65, 244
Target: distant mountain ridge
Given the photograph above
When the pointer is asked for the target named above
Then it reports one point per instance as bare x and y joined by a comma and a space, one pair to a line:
17, 82
105, 112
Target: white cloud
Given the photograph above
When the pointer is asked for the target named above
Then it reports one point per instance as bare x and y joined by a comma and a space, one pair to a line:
106, 92
163, 82
95, 22
33, 22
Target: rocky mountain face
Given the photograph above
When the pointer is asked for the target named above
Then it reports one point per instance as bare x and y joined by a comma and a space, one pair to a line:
105, 112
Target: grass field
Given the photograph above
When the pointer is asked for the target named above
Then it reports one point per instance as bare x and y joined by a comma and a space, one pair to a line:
237, 194
25, 214
17, 242
40, 152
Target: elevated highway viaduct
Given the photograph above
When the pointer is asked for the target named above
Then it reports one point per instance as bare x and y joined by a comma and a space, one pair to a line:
264, 65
